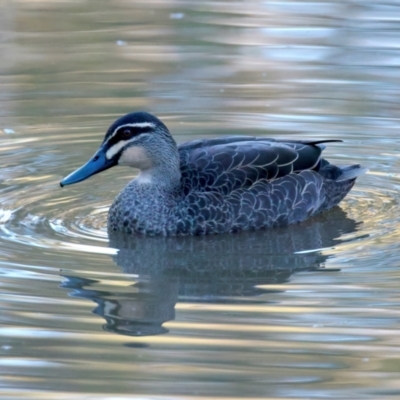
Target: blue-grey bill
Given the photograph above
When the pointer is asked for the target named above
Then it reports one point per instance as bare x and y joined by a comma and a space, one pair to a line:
96, 164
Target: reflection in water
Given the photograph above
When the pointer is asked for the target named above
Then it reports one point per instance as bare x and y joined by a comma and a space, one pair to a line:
221, 268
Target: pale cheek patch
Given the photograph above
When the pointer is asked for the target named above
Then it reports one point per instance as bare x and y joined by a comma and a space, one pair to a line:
112, 151
135, 157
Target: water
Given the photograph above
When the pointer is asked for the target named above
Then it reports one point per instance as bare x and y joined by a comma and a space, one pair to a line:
308, 311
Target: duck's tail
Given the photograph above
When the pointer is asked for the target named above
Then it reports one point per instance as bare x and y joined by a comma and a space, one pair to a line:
351, 172
340, 174
338, 181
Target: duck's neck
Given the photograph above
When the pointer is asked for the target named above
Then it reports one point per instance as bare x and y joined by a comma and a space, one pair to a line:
159, 164
163, 171
167, 177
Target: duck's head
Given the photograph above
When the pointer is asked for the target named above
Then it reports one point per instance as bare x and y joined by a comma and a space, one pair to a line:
139, 140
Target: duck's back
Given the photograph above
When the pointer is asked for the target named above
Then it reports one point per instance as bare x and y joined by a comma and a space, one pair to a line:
240, 183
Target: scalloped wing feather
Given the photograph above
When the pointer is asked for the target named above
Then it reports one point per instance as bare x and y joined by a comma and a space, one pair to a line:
227, 164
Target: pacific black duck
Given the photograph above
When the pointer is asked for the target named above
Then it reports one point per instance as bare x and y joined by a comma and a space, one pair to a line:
226, 184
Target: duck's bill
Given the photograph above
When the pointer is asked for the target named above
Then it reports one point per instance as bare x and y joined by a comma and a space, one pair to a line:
96, 164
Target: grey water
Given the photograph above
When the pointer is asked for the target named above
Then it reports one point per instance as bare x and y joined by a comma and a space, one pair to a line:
307, 311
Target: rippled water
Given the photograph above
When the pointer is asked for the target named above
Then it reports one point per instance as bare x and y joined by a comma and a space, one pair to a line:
308, 311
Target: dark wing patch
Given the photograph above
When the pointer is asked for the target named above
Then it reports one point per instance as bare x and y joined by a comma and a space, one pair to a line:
230, 163
309, 156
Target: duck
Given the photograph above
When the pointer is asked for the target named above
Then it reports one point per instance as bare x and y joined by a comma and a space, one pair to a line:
225, 184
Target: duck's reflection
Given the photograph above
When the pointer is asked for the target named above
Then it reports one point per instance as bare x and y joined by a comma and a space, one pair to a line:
221, 268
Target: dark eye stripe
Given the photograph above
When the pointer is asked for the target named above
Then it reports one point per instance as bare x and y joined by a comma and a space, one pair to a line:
125, 133
121, 135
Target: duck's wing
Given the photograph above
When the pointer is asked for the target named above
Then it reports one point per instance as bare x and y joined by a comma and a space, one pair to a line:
229, 163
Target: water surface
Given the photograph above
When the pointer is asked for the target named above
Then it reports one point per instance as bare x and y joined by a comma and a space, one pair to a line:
306, 311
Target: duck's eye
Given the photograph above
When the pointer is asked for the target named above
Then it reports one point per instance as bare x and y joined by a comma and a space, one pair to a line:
126, 134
